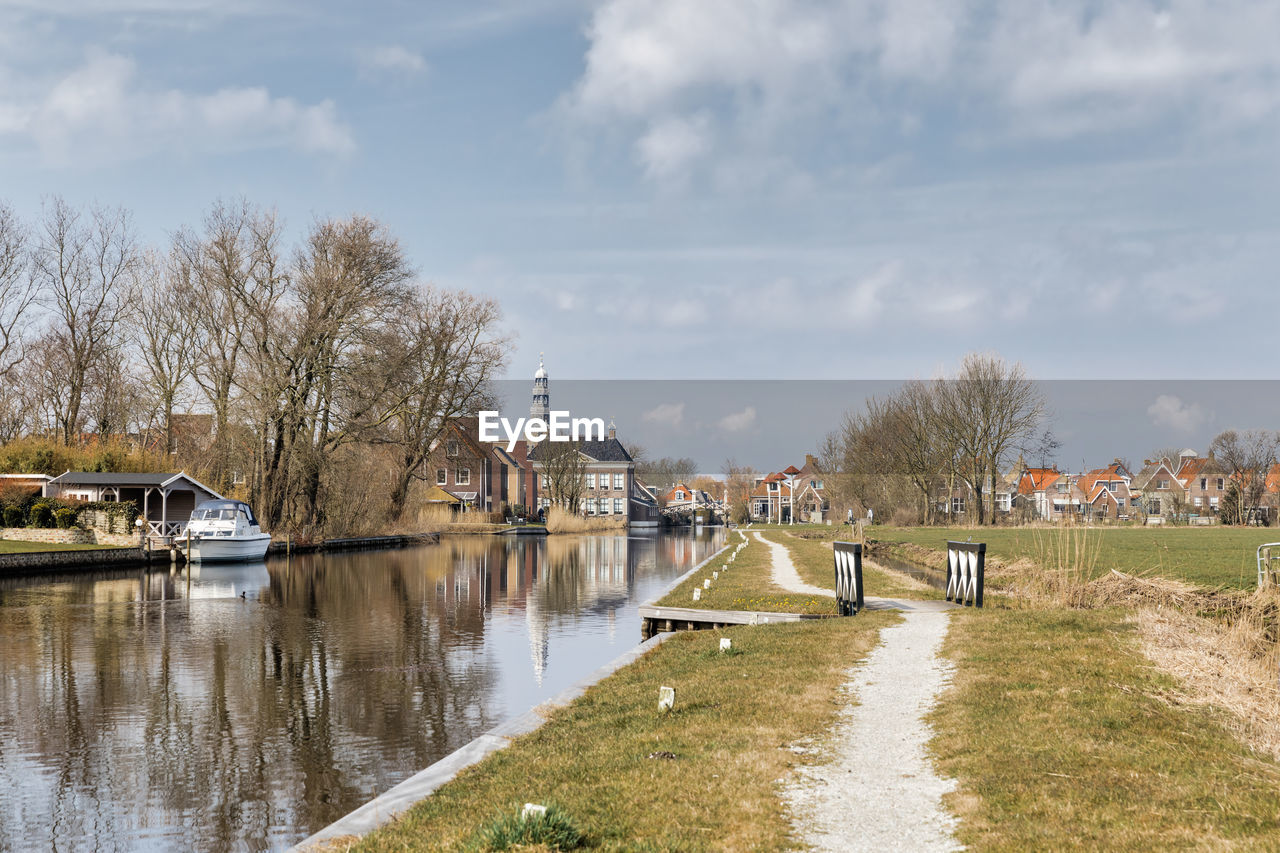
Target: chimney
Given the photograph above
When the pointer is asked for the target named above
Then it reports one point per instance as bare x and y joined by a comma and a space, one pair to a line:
613, 429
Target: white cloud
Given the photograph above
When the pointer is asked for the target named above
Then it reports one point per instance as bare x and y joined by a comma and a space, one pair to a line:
671, 146
1170, 412
101, 111
738, 421
683, 312
666, 414
392, 58
724, 79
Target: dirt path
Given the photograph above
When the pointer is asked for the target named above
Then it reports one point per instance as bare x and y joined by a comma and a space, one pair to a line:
784, 571
879, 791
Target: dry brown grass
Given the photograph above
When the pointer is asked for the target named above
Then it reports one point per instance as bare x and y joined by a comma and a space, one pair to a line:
1230, 664
561, 521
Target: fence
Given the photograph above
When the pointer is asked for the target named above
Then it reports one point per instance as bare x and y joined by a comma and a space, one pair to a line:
966, 562
848, 560
1267, 570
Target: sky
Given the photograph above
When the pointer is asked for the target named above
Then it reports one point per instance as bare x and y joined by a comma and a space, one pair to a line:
727, 189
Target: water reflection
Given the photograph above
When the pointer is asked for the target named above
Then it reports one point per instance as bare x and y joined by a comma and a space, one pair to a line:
244, 707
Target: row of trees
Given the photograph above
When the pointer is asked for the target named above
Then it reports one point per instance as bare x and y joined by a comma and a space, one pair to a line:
321, 364
931, 436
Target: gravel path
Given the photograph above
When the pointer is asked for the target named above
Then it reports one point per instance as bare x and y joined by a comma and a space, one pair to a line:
879, 791
785, 574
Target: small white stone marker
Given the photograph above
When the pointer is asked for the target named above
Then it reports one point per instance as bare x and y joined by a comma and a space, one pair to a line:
725, 644
706, 583
532, 810
697, 593
666, 699
715, 576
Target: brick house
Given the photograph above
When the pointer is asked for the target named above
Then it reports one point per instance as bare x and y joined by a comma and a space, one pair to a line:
1156, 488
468, 470
1205, 480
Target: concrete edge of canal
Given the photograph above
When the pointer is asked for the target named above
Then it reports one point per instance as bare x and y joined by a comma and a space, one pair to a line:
387, 806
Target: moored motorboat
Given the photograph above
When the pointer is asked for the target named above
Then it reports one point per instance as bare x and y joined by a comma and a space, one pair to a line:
224, 531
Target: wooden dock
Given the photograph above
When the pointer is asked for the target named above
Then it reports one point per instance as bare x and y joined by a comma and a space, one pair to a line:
655, 619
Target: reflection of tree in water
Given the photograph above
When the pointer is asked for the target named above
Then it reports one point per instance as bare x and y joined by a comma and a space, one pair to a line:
227, 723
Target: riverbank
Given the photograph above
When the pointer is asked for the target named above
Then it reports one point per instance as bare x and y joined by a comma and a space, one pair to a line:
1066, 724
45, 557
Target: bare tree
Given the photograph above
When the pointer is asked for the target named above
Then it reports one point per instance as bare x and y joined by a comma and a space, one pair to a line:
223, 266
448, 349
564, 472
84, 268
1248, 456
164, 332
739, 480
17, 291
990, 410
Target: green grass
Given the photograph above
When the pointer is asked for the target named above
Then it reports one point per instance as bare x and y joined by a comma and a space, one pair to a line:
1209, 556
746, 585
17, 546
1063, 736
717, 758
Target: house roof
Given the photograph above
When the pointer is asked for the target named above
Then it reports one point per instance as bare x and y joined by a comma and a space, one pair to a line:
791, 470
1037, 479
96, 478
1115, 472
1143, 478
608, 450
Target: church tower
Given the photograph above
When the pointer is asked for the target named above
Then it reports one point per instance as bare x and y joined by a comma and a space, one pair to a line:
541, 406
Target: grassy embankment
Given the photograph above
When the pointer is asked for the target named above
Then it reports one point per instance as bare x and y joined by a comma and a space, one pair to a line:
1207, 556
1060, 730
18, 546
1062, 735
703, 777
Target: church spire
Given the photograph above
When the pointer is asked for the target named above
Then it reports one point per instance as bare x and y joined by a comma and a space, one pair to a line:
540, 408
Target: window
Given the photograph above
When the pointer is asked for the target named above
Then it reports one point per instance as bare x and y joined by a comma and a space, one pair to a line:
1198, 501
617, 506
1163, 484
773, 487
957, 504
442, 477
462, 477
591, 506
1213, 502
591, 481
1062, 487
819, 486
679, 495
1155, 506
1204, 484
1221, 483
618, 482
451, 448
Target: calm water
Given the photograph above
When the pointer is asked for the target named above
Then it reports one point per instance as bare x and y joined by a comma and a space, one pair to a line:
246, 707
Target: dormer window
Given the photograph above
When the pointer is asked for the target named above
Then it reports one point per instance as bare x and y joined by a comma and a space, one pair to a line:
1163, 484
451, 448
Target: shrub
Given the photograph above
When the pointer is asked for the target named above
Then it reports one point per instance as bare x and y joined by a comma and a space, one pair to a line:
40, 515
65, 517
553, 829
13, 516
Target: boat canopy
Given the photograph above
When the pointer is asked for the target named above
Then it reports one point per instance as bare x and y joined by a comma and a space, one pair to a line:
212, 510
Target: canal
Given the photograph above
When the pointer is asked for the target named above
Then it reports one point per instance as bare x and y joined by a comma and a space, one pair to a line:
245, 707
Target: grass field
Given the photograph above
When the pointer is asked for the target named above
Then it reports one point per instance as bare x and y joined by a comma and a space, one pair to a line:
703, 777
1209, 556
1063, 736
15, 546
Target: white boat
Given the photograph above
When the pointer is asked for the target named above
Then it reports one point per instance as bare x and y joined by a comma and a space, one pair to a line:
224, 531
